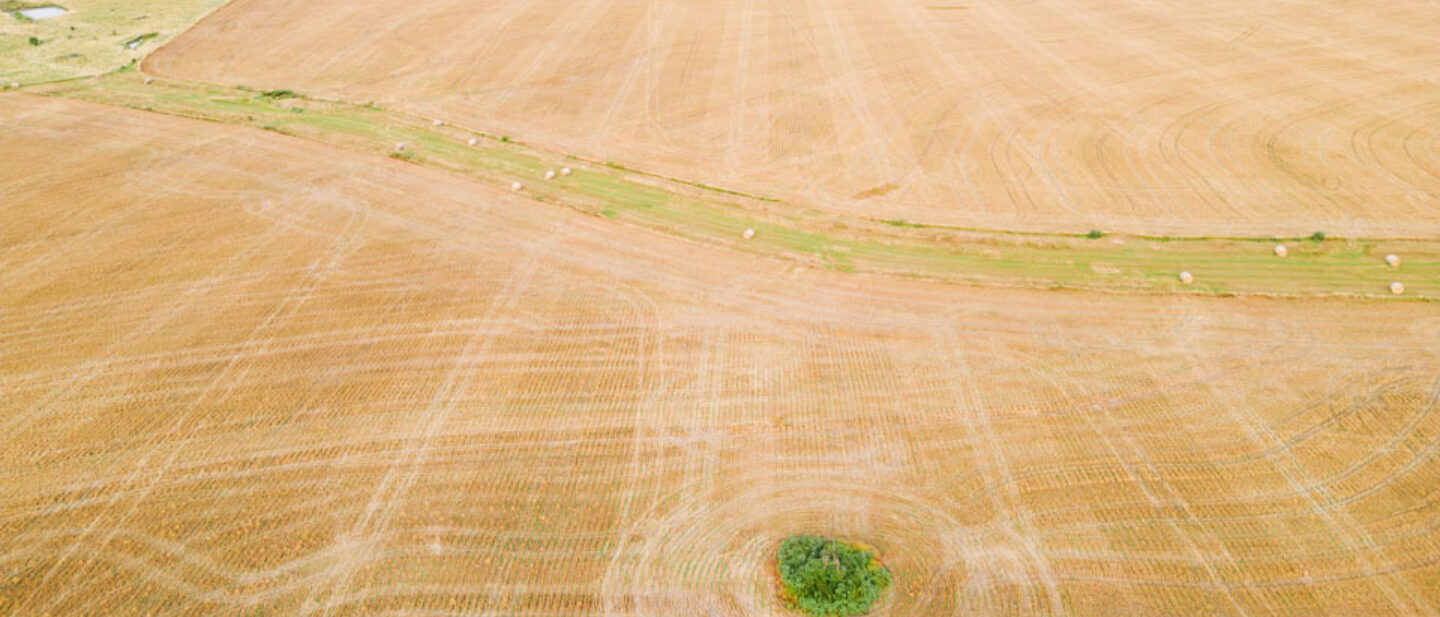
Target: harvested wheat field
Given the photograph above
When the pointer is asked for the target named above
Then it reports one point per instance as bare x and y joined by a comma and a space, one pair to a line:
507, 308
1229, 117
250, 374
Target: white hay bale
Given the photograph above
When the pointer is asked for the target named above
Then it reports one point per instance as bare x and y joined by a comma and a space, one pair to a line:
749, 233
515, 186
399, 146
1281, 251
14, 84
439, 122
1397, 288
564, 171
1186, 278
549, 174
473, 141
1392, 260
149, 80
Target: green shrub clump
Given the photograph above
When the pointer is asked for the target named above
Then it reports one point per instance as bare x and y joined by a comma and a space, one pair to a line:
824, 577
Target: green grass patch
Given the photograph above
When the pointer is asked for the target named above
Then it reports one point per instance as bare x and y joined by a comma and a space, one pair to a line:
825, 577
90, 38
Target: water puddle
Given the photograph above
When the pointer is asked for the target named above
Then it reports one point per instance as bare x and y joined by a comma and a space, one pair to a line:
42, 12
136, 42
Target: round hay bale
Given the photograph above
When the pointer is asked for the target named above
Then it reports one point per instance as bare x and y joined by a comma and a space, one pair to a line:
1186, 278
439, 122
515, 186
1392, 260
400, 146
473, 141
549, 174
1397, 288
564, 171
1281, 251
749, 233
14, 84
149, 80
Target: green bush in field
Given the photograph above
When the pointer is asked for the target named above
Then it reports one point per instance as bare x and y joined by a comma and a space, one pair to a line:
824, 577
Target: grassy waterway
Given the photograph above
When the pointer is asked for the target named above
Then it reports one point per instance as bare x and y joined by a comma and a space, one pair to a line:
1221, 266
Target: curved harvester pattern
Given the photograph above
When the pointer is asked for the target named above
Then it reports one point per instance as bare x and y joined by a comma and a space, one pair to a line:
250, 374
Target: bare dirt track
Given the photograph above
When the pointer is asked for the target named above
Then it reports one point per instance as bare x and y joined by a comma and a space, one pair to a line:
1210, 118
248, 374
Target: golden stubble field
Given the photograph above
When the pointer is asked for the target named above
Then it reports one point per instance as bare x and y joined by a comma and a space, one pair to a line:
248, 374
1228, 117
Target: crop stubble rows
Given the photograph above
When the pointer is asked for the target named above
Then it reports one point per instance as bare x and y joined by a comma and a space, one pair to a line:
1348, 267
1220, 118
247, 373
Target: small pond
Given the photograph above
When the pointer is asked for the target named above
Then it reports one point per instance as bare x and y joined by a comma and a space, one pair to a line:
42, 12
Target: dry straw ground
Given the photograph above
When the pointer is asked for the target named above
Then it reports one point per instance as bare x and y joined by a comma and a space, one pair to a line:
1224, 117
249, 374
90, 38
